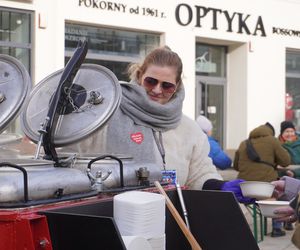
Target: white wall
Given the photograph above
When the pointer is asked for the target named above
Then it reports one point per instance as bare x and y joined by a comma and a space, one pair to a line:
266, 74
256, 78
237, 101
49, 40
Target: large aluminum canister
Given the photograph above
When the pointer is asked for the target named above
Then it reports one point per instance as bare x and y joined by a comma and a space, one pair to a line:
44, 180
130, 170
97, 95
15, 86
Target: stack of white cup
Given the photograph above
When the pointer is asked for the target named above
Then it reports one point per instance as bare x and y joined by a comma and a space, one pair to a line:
141, 214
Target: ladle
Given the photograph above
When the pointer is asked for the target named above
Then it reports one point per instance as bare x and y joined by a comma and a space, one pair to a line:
187, 233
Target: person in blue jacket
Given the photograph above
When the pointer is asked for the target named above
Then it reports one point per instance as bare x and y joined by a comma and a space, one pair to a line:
220, 159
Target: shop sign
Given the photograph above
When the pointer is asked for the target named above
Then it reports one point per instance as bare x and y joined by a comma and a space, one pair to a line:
123, 8
286, 32
186, 15
75, 34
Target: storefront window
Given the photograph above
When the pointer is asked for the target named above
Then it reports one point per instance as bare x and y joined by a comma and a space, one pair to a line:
210, 60
15, 35
23, 55
292, 98
210, 65
112, 48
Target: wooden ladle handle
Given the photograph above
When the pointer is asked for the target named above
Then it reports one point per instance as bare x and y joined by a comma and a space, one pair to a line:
187, 233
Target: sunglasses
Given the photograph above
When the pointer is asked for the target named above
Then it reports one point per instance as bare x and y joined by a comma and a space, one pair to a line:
167, 87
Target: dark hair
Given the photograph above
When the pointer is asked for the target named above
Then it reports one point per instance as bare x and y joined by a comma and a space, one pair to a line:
162, 56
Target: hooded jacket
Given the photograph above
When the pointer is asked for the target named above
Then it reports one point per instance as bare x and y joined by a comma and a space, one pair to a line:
220, 159
269, 150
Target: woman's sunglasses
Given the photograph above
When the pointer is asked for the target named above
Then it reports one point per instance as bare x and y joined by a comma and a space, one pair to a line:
167, 87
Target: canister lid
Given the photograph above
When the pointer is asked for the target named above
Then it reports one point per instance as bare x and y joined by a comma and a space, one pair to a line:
95, 95
15, 86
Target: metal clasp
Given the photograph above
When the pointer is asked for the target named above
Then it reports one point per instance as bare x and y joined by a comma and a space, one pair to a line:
143, 176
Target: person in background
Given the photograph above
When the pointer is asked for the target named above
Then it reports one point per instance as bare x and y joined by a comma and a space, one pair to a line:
288, 188
149, 126
257, 159
291, 142
220, 159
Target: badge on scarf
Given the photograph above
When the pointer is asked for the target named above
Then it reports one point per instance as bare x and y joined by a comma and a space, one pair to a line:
137, 137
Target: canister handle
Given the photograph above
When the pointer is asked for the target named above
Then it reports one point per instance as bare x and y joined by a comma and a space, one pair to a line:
111, 157
25, 176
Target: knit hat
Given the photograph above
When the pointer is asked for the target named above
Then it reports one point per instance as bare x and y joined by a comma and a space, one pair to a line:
286, 124
204, 123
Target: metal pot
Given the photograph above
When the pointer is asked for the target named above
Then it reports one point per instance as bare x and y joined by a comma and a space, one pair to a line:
29, 179
124, 170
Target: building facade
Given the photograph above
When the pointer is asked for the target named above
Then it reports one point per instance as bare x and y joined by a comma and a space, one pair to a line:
241, 58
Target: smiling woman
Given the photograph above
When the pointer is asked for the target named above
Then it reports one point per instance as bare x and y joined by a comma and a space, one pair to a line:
159, 90
291, 142
150, 126
160, 74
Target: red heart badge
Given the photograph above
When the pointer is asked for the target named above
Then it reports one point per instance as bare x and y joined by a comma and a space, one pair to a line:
137, 137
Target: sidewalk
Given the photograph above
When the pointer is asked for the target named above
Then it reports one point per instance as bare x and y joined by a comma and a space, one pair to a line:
270, 243
280, 243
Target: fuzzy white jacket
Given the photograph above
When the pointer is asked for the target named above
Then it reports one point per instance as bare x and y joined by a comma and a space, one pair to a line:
186, 148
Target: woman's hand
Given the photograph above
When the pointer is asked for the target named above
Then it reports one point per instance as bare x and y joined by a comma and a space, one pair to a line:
279, 188
287, 214
290, 173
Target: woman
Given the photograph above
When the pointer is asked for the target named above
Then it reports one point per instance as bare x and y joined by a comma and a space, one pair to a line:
291, 143
149, 125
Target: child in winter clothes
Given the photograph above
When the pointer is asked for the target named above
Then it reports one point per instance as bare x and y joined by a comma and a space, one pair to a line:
220, 159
